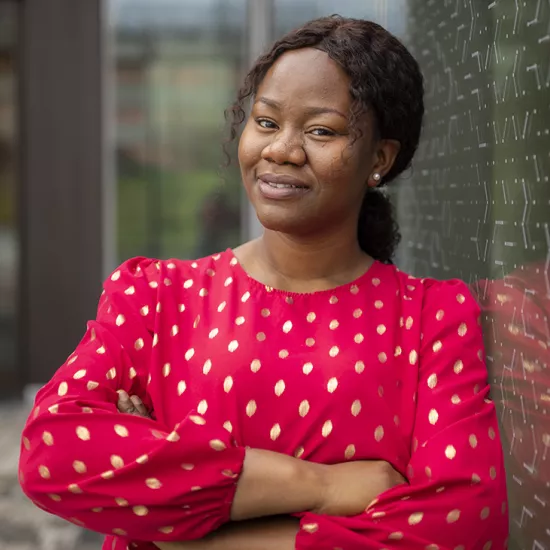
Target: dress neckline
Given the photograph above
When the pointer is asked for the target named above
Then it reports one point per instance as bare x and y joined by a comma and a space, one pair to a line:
371, 273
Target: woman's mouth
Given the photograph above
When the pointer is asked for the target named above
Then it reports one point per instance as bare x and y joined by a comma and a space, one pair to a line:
281, 186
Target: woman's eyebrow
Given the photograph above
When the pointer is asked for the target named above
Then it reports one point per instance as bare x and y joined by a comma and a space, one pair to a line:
312, 111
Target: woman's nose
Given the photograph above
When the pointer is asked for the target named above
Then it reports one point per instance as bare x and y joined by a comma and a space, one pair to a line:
285, 149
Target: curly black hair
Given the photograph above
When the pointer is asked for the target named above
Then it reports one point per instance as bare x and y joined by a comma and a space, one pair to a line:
385, 79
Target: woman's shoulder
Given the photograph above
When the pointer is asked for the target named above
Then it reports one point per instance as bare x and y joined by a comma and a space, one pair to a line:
430, 292
152, 272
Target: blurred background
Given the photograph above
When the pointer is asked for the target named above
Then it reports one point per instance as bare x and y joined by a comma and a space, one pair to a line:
111, 120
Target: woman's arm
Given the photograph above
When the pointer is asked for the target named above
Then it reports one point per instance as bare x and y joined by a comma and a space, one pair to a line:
264, 534
456, 497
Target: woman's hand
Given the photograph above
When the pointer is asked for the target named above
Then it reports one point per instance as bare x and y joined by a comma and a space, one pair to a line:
345, 489
349, 488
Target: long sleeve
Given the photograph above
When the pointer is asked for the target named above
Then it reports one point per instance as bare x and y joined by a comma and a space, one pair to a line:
456, 495
125, 475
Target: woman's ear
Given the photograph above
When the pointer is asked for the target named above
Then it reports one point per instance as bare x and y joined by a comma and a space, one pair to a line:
385, 155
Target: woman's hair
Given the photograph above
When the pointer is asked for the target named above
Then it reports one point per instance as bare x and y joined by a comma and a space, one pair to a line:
385, 79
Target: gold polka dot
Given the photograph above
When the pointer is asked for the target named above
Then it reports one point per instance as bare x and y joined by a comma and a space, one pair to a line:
275, 432
378, 304
221, 307
280, 388
240, 321
357, 313
450, 452
409, 323
227, 384
266, 312
119, 532
74, 489
332, 385
153, 483
475, 479
359, 367
233, 345
416, 518
473, 441
398, 351
453, 516
182, 386
47, 438
111, 374
310, 342
437, 346
381, 329
140, 510
79, 467
83, 433
493, 472
188, 467
44, 472
358, 338
460, 298
139, 343
91, 385
303, 410
311, 317
433, 417
207, 367
79, 374
492, 433
251, 408
350, 452
122, 502
63, 389
459, 365
379, 433
115, 276
333, 300
198, 420
144, 311
462, 329
334, 351
166, 530
283, 354
260, 336
334, 324
188, 284
173, 437
255, 365
439, 315
132, 373
143, 459
382, 357
432, 381
246, 297
327, 428
455, 400
217, 445
299, 452
202, 407
55, 498
310, 528
413, 357
485, 513
307, 368
397, 535
376, 282
354, 289
54, 409
287, 327
117, 462
428, 471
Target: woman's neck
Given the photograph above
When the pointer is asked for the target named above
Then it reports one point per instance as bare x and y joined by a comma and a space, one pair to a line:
293, 264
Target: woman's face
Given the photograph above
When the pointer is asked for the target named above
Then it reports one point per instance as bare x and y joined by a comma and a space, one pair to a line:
298, 168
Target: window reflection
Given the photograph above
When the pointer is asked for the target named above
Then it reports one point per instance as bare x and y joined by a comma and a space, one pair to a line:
9, 238
178, 65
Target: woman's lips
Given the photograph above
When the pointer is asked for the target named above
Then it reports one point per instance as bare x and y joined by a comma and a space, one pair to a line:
281, 186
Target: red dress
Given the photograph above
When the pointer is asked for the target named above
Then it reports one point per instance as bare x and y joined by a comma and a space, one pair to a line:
388, 367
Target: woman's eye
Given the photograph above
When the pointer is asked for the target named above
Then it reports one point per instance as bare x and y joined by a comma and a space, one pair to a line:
323, 132
266, 124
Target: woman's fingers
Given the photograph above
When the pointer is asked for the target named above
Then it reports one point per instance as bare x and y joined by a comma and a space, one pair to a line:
131, 405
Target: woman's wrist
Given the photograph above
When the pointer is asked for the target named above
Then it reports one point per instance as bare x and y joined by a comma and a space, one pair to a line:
276, 484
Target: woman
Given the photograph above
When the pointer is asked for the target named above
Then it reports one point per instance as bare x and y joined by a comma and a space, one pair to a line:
302, 386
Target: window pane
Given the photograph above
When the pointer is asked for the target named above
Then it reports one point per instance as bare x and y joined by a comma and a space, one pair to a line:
9, 238
178, 65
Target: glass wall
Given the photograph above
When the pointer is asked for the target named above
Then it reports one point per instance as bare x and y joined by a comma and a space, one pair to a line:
9, 238
178, 65
477, 206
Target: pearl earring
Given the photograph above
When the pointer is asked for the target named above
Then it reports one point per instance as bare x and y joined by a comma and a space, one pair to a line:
376, 177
